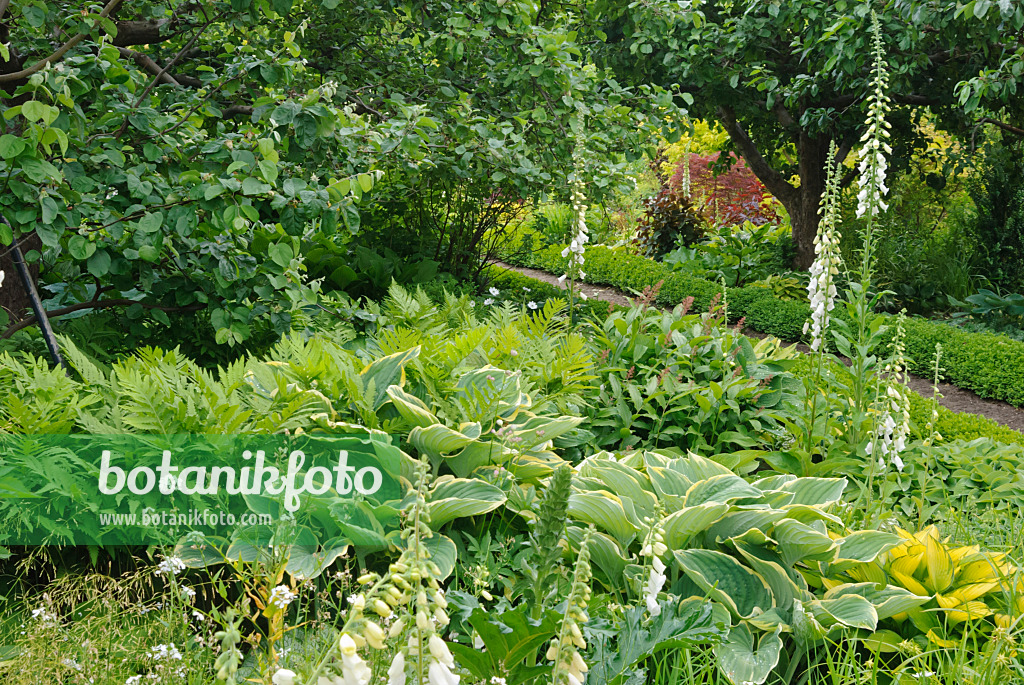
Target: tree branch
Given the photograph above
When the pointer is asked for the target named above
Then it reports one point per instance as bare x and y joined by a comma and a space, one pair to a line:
94, 304
149, 65
1009, 128
772, 179
140, 32
61, 51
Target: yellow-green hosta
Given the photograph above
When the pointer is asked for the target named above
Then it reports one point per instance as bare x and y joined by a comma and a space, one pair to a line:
965, 583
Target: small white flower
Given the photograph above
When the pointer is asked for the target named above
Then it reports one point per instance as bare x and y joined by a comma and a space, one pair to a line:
188, 592
1, 278
281, 596
531, 304
526, 289
489, 301
133, 680
170, 566
513, 353
494, 291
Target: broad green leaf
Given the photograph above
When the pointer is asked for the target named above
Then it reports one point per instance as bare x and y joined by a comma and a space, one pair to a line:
744, 664
722, 488
815, 491
799, 542
684, 524
726, 580
385, 372
850, 610
604, 510
412, 408
887, 600
458, 497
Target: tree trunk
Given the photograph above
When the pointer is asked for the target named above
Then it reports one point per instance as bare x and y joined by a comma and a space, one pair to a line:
13, 298
812, 157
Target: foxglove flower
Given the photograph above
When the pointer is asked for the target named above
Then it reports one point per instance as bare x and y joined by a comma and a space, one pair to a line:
354, 670
873, 165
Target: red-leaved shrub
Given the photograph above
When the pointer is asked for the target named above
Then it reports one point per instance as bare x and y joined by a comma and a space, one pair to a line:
727, 198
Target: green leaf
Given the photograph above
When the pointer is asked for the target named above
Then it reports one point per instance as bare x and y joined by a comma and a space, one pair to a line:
605, 511
366, 182
99, 263
11, 146
385, 372
726, 580
459, 497
281, 254
680, 625
80, 248
510, 638
741, 662
442, 552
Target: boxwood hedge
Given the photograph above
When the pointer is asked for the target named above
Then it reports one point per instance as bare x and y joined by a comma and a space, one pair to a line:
988, 364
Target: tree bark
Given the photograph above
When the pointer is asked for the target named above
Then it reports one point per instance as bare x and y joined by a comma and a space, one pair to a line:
13, 298
801, 201
812, 153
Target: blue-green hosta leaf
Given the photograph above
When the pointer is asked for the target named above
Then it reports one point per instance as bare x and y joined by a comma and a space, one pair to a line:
726, 580
799, 542
606, 511
489, 392
850, 610
454, 498
385, 372
720, 488
888, 600
411, 408
684, 524
744, 664
815, 491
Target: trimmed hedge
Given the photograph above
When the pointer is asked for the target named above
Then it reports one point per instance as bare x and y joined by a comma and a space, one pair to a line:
989, 364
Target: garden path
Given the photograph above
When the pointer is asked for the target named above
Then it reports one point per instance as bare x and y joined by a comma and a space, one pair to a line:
953, 398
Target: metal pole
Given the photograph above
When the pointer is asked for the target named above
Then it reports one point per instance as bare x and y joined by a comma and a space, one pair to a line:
37, 305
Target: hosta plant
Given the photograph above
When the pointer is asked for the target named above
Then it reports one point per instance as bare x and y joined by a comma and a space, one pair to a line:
672, 379
966, 588
759, 550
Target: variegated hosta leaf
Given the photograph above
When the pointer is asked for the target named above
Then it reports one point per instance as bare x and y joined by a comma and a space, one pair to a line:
862, 546
452, 498
815, 491
799, 542
720, 488
742, 662
411, 408
606, 511
726, 581
537, 431
438, 441
608, 558
888, 600
849, 610
384, 372
681, 526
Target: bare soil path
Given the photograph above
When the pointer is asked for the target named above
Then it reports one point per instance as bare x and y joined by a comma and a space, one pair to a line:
953, 398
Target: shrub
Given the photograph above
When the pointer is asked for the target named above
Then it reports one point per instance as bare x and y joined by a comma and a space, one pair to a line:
999, 226
726, 191
670, 219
